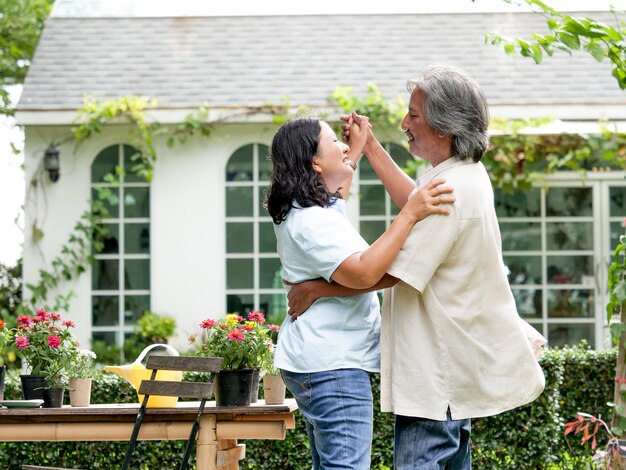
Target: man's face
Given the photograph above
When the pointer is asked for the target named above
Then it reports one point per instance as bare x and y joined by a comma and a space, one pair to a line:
423, 139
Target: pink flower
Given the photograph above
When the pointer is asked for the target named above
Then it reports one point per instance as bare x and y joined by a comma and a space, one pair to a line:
208, 323
256, 316
192, 338
274, 327
37, 320
21, 342
24, 320
235, 335
247, 328
54, 341
69, 323
55, 316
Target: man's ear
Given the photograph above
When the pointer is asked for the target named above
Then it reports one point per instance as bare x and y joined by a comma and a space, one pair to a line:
315, 163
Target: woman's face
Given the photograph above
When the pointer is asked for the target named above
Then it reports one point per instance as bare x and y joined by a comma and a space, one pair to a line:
331, 161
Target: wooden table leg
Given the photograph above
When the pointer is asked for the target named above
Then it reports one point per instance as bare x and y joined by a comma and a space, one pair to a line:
207, 445
229, 454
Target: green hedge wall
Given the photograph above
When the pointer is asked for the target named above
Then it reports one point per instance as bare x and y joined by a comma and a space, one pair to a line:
530, 437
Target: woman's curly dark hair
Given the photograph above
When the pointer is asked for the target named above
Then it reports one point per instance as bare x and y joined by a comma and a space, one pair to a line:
293, 176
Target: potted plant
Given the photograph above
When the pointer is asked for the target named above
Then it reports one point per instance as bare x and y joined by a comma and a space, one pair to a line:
154, 328
47, 345
243, 346
273, 385
80, 374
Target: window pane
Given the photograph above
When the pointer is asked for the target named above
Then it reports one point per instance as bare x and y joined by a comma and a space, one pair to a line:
518, 204
239, 274
270, 275
274, 306
570, 335
528, 302
523, 269
522, 236
112, 205
400, 155
267, 238
617, 230
239, 237
617, 198
108, 337
569, 236
105, 310
111, 240
240, 303
136, 202
129, 162
570, 270
105, 274
265, 164
136, 238
134, 307
570, 303
105, 163
261, 193
239, 166
568, 202
372, 229
372, 199
137, 274
366, 172
239, 201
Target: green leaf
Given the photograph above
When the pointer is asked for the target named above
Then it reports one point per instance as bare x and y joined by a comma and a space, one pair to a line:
568, 39
617, 329
596, 50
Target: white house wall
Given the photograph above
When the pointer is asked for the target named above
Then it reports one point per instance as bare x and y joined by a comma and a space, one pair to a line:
187, 201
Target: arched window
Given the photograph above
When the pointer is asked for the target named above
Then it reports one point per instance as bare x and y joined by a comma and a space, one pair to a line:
253, 269
121, 272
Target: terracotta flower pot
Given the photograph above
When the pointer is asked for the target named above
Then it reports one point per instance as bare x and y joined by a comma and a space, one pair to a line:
80, 392
274, 390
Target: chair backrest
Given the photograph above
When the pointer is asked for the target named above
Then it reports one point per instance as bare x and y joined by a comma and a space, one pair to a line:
200, 390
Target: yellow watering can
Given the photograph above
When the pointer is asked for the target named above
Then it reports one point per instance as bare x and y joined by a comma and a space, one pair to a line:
136, 372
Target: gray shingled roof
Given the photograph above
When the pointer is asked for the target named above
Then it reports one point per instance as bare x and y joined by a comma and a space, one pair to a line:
218, 61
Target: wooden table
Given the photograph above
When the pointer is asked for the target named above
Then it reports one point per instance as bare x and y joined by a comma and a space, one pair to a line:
220, 427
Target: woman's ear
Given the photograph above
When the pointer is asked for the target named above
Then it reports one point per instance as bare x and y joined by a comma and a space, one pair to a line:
315, 162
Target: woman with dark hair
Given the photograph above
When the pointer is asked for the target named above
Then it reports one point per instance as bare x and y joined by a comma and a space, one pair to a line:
325, 355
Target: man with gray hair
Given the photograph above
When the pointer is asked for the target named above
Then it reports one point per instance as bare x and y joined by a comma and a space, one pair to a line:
452, 344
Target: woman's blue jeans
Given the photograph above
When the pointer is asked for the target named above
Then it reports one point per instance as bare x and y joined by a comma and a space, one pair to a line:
425, 444
338, 412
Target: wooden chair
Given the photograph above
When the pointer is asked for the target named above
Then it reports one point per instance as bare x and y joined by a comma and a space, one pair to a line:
198, 390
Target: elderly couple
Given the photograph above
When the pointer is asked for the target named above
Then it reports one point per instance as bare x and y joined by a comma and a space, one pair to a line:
449, 345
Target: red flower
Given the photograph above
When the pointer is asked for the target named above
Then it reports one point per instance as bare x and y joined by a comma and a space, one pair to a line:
69, 323
54, 341
55, 316
208, 323
235, 335
2, 324
21, 342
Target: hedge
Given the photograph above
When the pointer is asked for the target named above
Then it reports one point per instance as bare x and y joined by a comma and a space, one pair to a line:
530, 437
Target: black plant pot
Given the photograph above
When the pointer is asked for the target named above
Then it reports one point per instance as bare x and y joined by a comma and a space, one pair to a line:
233, 387
3, 370
53, 397
33, 386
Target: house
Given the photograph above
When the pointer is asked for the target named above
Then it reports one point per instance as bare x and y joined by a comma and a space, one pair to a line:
195, 242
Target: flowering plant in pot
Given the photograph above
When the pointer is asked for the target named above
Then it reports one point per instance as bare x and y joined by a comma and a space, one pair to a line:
242, 343
47, 345
273, 385
80, 374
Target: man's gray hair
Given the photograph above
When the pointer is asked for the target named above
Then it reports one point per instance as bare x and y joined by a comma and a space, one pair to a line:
455, 105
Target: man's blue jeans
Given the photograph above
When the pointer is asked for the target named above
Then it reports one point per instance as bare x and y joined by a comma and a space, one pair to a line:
338, 412
424, 444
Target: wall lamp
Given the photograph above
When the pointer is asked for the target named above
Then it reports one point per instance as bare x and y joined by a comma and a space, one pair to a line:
51, 162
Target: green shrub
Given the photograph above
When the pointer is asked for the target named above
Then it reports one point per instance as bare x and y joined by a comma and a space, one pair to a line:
530, 437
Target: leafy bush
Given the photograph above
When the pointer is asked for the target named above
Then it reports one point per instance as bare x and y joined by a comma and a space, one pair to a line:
530, 437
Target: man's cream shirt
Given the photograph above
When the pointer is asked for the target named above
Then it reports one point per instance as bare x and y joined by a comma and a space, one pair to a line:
451, 334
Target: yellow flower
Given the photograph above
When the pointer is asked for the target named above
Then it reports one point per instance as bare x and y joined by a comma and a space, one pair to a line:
232, 318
